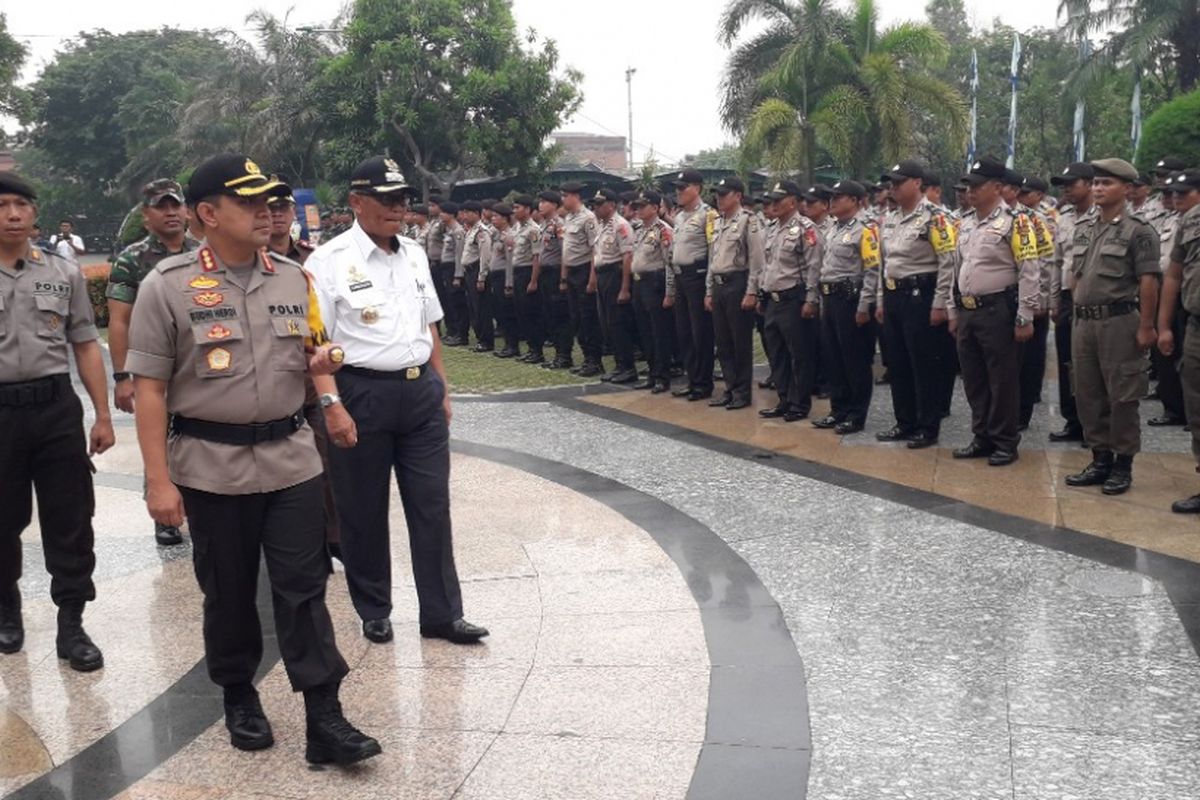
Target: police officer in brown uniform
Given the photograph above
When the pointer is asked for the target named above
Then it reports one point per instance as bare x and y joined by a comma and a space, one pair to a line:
457, 320
612, 277
996, 292
578, 231
689, 261
653, 283
547, 269
527, 297
788, 292
1182, 281
849, 280
476, 260
735, 265
497, 283
217, 345
1116, 304
44, 308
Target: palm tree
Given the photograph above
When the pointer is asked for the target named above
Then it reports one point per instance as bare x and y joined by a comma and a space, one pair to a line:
1141, 29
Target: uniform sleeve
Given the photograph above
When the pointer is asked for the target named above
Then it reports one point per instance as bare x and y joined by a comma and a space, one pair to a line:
152, 332
943, 237
813, 253
872, 260
484, 240
1178, 248
81, 326
666, 241
510, 251
122, 279
1146, 251
459, 245
1025, 256
755, 254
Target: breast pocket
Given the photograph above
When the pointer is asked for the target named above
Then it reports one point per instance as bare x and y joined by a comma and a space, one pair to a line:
52, 316
220, 349
1113, 261
287, 351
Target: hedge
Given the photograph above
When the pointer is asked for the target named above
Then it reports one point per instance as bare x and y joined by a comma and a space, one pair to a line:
96, 276
1172, 130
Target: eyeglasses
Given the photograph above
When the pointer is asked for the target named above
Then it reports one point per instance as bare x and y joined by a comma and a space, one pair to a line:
398, 200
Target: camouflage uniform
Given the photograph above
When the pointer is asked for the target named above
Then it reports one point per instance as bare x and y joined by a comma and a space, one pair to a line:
136, 262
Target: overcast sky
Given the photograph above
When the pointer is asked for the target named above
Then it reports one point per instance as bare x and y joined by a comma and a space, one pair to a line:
671, 44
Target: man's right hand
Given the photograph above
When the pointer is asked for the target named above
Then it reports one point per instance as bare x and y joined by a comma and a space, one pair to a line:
165, 504
340, 426
123, 396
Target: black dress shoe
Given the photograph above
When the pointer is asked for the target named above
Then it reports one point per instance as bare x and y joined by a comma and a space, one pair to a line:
507, 353
535, 358
919, 441
1119, 482
975, 449
828, 422
1067, 434
1189, 506
894, 434
1165, 421
849, 426
1002, 458
778, 412
481, 348
737, 404
660, 388
1094, 474
623, 376
718, 402
12, 628
695, 396
378, 631
767, 384
331, 737
589, 371
248, 726
677, 372
458, 632
682, 392
72, 644
644, 385
167, 535
559, 363
795, 416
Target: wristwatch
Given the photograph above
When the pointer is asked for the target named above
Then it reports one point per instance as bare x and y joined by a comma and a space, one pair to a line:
121, 376
327, 400
1022, 322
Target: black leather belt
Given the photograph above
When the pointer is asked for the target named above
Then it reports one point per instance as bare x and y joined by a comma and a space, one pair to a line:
1105, 310
730, 277
784, 294
35, 392
406, 374
695, 266
846, 286
920, 281
230, 433
474, 264
645, 276
609, 267
971, 302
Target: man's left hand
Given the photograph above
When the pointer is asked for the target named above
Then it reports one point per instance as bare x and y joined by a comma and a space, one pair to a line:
102, 437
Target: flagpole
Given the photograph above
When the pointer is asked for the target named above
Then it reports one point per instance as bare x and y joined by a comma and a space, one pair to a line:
1012, 116
1081, 108
971, 148
1135, 108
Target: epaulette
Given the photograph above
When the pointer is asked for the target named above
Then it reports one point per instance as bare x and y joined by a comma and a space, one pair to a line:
178, 260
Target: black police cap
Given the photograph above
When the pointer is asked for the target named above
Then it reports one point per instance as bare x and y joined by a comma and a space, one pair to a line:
1079, 170
905, 170
785, 189
420, 208
730, 184
689, 177
1143, 179
1013, 178
628, 197
605, 196
1034, 184
986, 169
12, 183
850, 189
378, 175
820, 193
648, 198
1168, 165
232, 175
930, 180
1186, 181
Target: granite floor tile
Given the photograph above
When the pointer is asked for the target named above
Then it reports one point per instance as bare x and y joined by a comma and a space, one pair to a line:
671, 638
23, 751
661, 589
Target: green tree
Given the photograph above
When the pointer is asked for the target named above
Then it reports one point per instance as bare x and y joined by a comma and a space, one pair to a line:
1140, 32
12, 58
448, 88
724, 157
1172, 131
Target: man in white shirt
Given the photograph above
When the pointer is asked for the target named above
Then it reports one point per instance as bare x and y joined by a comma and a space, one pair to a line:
66, 243
388, 408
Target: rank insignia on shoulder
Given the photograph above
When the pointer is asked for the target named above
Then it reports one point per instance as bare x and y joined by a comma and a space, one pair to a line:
219, 359
219, 331
208, 299
267, 262
208, 261
204, 282
35, 254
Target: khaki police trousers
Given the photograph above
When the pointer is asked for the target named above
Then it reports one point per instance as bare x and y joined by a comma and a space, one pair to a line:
1109, 377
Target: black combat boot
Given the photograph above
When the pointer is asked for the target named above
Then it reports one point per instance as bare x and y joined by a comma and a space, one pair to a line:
12, 629
331, 739
248, 726
1121, 478
73, 644
1095, 473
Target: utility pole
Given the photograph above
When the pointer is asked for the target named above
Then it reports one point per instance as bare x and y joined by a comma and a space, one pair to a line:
629, 71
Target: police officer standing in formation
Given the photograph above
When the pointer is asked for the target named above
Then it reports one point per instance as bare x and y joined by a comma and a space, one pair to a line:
919, 251
693, 226
849, 280
788, 297
1019, 196
217, 345
1182, 284
496, 282
1076, 187
738, 256
283, 217
1169, 389
476, 261
44, 308
653, 284
612, 278
457, 320
547, 272
996, 293
434, 244
1116, 268
527, 299
165, 217
390, 409
578, 231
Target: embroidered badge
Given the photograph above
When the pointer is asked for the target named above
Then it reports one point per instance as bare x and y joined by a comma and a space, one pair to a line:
203, 282
219, 331
370, 315
219, 359
208, 299
293, 327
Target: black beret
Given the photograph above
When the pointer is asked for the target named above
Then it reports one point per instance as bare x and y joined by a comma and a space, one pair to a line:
551, 196
572, 187
628, 197
448, 207
503, 209
524, 200
420, 208
12, 183
472, 205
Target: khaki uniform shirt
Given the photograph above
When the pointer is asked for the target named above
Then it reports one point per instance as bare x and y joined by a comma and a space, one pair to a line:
918, 243
614, 240
737, 246
996, 253
1185, 250
44, 306
852, 253
1166, 238
501, 260
229, 355
452, 246
652, 252
579, 231
477, 249
526, 236
435, 240
826, 225
550, 247
136, 262
796, 255
1111, 257
693, 232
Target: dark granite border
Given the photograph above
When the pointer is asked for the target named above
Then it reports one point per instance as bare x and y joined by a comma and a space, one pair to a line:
145, 741
758, 732
1180, 577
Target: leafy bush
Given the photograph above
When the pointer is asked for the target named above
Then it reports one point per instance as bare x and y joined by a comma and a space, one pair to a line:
1172, 131
97, 282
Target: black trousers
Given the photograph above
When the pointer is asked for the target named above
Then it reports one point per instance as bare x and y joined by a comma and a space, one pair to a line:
1062, 347
792, 350
733, 331
479, 306
556, 312
654, 323
848, 351
991, 368
1033, 367
502, 309
527, 309
43, 450
441, 285
455, 306
615, 316
230, 533
401, 428
694, 328
585, 313
917, 368
1170, 384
